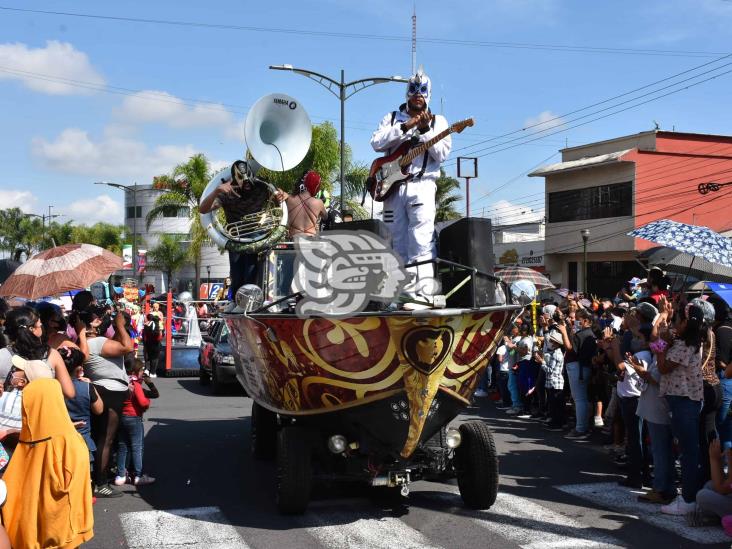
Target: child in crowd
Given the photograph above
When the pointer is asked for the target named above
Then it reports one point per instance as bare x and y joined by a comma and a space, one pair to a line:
552, 363
86, 401
131, 434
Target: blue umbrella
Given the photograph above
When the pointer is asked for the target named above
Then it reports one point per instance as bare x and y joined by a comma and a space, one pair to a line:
722, 290
694, 240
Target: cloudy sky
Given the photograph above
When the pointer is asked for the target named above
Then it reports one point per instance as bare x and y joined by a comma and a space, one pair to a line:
124, 91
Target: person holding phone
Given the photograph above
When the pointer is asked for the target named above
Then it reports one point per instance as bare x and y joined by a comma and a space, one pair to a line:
629, 392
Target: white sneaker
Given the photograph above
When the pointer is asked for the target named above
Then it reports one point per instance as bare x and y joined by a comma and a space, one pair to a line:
143, 480
678, 507
480, 393
120, 481
599, 422
513, 411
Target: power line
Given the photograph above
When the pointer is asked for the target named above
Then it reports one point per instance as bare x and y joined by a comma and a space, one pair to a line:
380, 37
674, 91
598, 103
594, 119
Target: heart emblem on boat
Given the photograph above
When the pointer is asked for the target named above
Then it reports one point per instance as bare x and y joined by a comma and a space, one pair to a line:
426, 347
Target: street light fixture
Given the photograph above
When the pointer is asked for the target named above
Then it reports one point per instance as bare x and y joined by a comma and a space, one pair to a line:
133, 189
585, 237
342, 90
43, 218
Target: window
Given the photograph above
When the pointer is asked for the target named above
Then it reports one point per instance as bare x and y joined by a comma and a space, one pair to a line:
591, 203
176, 212
134, 212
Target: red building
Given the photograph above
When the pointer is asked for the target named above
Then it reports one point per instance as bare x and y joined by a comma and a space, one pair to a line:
611, 187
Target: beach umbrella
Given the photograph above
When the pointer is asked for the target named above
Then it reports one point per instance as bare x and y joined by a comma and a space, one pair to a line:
516, 273
61, 269
700, 242
674, 261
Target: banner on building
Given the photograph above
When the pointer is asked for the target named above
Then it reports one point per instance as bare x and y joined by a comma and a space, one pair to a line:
127, 256
141, 261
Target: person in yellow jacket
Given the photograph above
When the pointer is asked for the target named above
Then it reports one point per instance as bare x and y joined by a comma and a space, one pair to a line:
49, 503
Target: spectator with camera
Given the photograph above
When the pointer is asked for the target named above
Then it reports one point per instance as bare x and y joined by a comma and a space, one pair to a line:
105, 368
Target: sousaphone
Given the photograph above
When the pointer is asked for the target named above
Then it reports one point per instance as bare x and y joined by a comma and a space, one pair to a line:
278, 132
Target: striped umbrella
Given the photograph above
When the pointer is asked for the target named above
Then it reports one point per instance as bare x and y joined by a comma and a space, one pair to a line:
60, 269
512, 274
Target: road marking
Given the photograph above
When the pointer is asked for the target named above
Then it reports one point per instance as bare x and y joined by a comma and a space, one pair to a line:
533, 526
194, 528
354, 529
617, 498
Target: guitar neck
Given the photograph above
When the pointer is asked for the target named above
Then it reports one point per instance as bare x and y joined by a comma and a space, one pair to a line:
417, 151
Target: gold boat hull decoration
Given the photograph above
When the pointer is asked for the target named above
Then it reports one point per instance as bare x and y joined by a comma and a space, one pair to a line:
299, 367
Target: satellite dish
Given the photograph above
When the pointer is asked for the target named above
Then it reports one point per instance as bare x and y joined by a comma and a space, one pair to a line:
278, 132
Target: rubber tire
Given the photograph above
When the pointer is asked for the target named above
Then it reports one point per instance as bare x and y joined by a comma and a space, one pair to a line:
217, 387
203, 377
477, 465
263, 432
294, 471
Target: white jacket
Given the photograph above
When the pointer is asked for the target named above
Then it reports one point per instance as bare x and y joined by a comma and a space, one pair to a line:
388, 137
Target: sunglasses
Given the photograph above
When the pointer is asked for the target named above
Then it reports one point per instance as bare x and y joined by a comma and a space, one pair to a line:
415, 88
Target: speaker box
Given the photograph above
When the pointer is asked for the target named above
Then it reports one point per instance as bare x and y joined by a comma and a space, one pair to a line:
376, 226
468, 241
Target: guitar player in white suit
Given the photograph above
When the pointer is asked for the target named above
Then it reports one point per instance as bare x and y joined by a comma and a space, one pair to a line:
410, 210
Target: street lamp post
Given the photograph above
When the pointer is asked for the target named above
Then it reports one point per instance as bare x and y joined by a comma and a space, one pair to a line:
585, 237
133, 189
43, 218
342, 90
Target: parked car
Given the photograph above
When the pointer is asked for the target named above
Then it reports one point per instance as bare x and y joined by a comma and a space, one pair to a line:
215, 359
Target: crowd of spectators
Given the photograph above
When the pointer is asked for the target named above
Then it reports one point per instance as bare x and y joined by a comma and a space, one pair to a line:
72, 394
648, 373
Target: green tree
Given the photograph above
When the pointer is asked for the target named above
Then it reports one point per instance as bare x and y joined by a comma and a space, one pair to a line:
446, 198
183, 189
170, 255
20, 233
104, 235
58, 234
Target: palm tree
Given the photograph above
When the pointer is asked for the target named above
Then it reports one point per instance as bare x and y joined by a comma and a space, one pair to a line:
168, 256
446, 199
183, 189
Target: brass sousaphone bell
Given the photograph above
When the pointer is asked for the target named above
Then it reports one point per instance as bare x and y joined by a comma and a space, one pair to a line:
277, 132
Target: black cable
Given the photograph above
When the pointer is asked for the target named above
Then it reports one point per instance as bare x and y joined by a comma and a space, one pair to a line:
563, 116
395, 38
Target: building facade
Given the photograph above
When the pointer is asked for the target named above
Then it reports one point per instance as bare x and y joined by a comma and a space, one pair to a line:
611, 187
519, 244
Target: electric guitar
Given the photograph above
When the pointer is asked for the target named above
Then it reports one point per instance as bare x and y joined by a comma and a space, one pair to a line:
388, 172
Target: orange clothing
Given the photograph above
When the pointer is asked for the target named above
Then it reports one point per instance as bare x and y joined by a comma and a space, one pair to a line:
49, 501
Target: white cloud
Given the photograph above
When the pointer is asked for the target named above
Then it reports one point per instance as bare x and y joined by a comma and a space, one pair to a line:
543, 121
92, 210
113, 156
18, 199
58, 60
152, 106
504, 212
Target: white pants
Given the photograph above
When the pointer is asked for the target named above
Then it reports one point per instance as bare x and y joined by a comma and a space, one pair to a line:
410, 214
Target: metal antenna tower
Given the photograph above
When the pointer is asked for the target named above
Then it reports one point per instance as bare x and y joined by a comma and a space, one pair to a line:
414, 38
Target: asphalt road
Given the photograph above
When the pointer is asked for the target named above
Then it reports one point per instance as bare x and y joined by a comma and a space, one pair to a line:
211, 494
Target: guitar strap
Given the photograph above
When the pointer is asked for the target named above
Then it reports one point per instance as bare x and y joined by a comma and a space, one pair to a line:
426, 153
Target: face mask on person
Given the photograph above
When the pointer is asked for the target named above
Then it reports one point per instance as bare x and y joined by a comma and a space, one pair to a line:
420, 84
